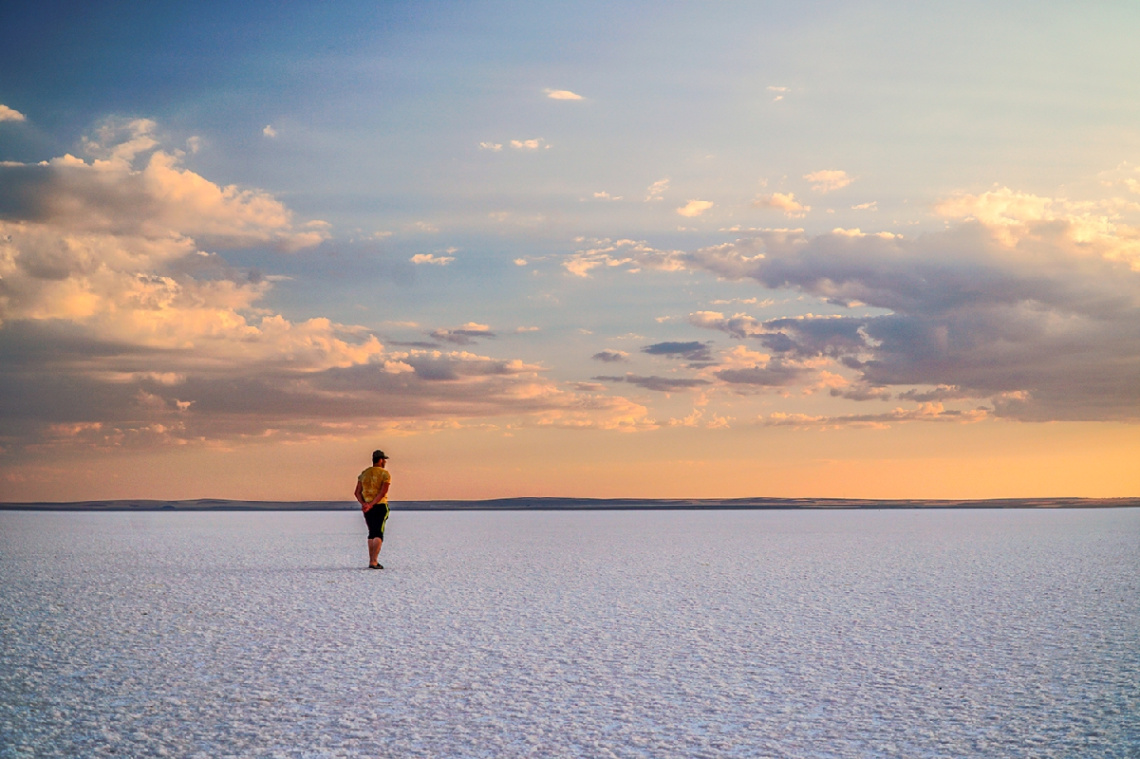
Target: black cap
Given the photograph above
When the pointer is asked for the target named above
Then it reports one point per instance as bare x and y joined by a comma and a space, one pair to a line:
379, 455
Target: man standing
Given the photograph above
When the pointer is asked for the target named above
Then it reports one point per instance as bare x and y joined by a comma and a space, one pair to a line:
372, 495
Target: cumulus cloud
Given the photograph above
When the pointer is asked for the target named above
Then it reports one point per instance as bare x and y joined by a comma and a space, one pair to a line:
119, 328
269, 131
1027, 306
431, 258
695, 208
413, 385
738, 325
494, 147
465, 335
562, 94
783, 202
131, 188
828, 180
532, 144
633, 254
610, 356
10, 114
778, 92
1033, 312
697, 418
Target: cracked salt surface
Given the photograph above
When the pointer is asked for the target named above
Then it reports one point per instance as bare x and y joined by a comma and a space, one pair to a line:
595, 634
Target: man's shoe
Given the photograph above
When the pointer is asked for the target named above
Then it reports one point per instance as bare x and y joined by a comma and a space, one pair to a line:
375, 566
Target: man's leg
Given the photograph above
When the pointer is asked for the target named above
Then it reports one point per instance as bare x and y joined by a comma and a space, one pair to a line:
374, 550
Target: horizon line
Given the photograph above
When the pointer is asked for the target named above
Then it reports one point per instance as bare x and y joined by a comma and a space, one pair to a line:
560, 503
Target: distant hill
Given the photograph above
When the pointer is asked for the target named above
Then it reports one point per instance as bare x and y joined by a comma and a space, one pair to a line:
583, 504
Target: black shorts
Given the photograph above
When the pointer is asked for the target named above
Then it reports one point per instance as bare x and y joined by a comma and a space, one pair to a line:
376, 517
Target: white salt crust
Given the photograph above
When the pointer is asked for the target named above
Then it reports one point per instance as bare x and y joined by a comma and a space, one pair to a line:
598, 634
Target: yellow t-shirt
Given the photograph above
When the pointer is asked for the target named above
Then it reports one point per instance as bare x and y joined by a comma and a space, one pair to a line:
371, 480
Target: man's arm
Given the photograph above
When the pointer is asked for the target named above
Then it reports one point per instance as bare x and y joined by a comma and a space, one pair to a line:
383, 492
360, 494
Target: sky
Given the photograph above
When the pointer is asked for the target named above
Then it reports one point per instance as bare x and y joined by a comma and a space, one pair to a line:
646, 249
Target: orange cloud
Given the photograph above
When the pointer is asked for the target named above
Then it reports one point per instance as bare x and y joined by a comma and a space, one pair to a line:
107, 290
828, 180
562, 94
783, 202
695, 208
10, 114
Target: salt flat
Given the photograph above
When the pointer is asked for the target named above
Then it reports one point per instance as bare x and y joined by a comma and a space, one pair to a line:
1010, 633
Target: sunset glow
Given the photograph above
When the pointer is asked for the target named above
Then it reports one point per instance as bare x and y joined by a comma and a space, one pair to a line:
644, 250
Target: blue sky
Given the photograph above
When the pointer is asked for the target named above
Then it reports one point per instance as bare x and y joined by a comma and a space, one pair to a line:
836, 248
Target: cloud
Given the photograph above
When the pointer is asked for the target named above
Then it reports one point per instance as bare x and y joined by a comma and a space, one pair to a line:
431, 258
10, 114
1032, 312
1029, 305
610, 356
864, 392
695, 208
494, 147
871, 206
753, 301
773, 374
597, 412
691, 351
445, 386
562, 94
1125, 175
743, 368
269, 131
927, 412
809, 335
611, 254
778, 92
122, 193
464, 335
121, 140
783, 202
828, 180
739, 325
532, 144
63, 384
117, 329
657, 384
940, 393
656, 190
696, 418
999, 208
1016, 219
